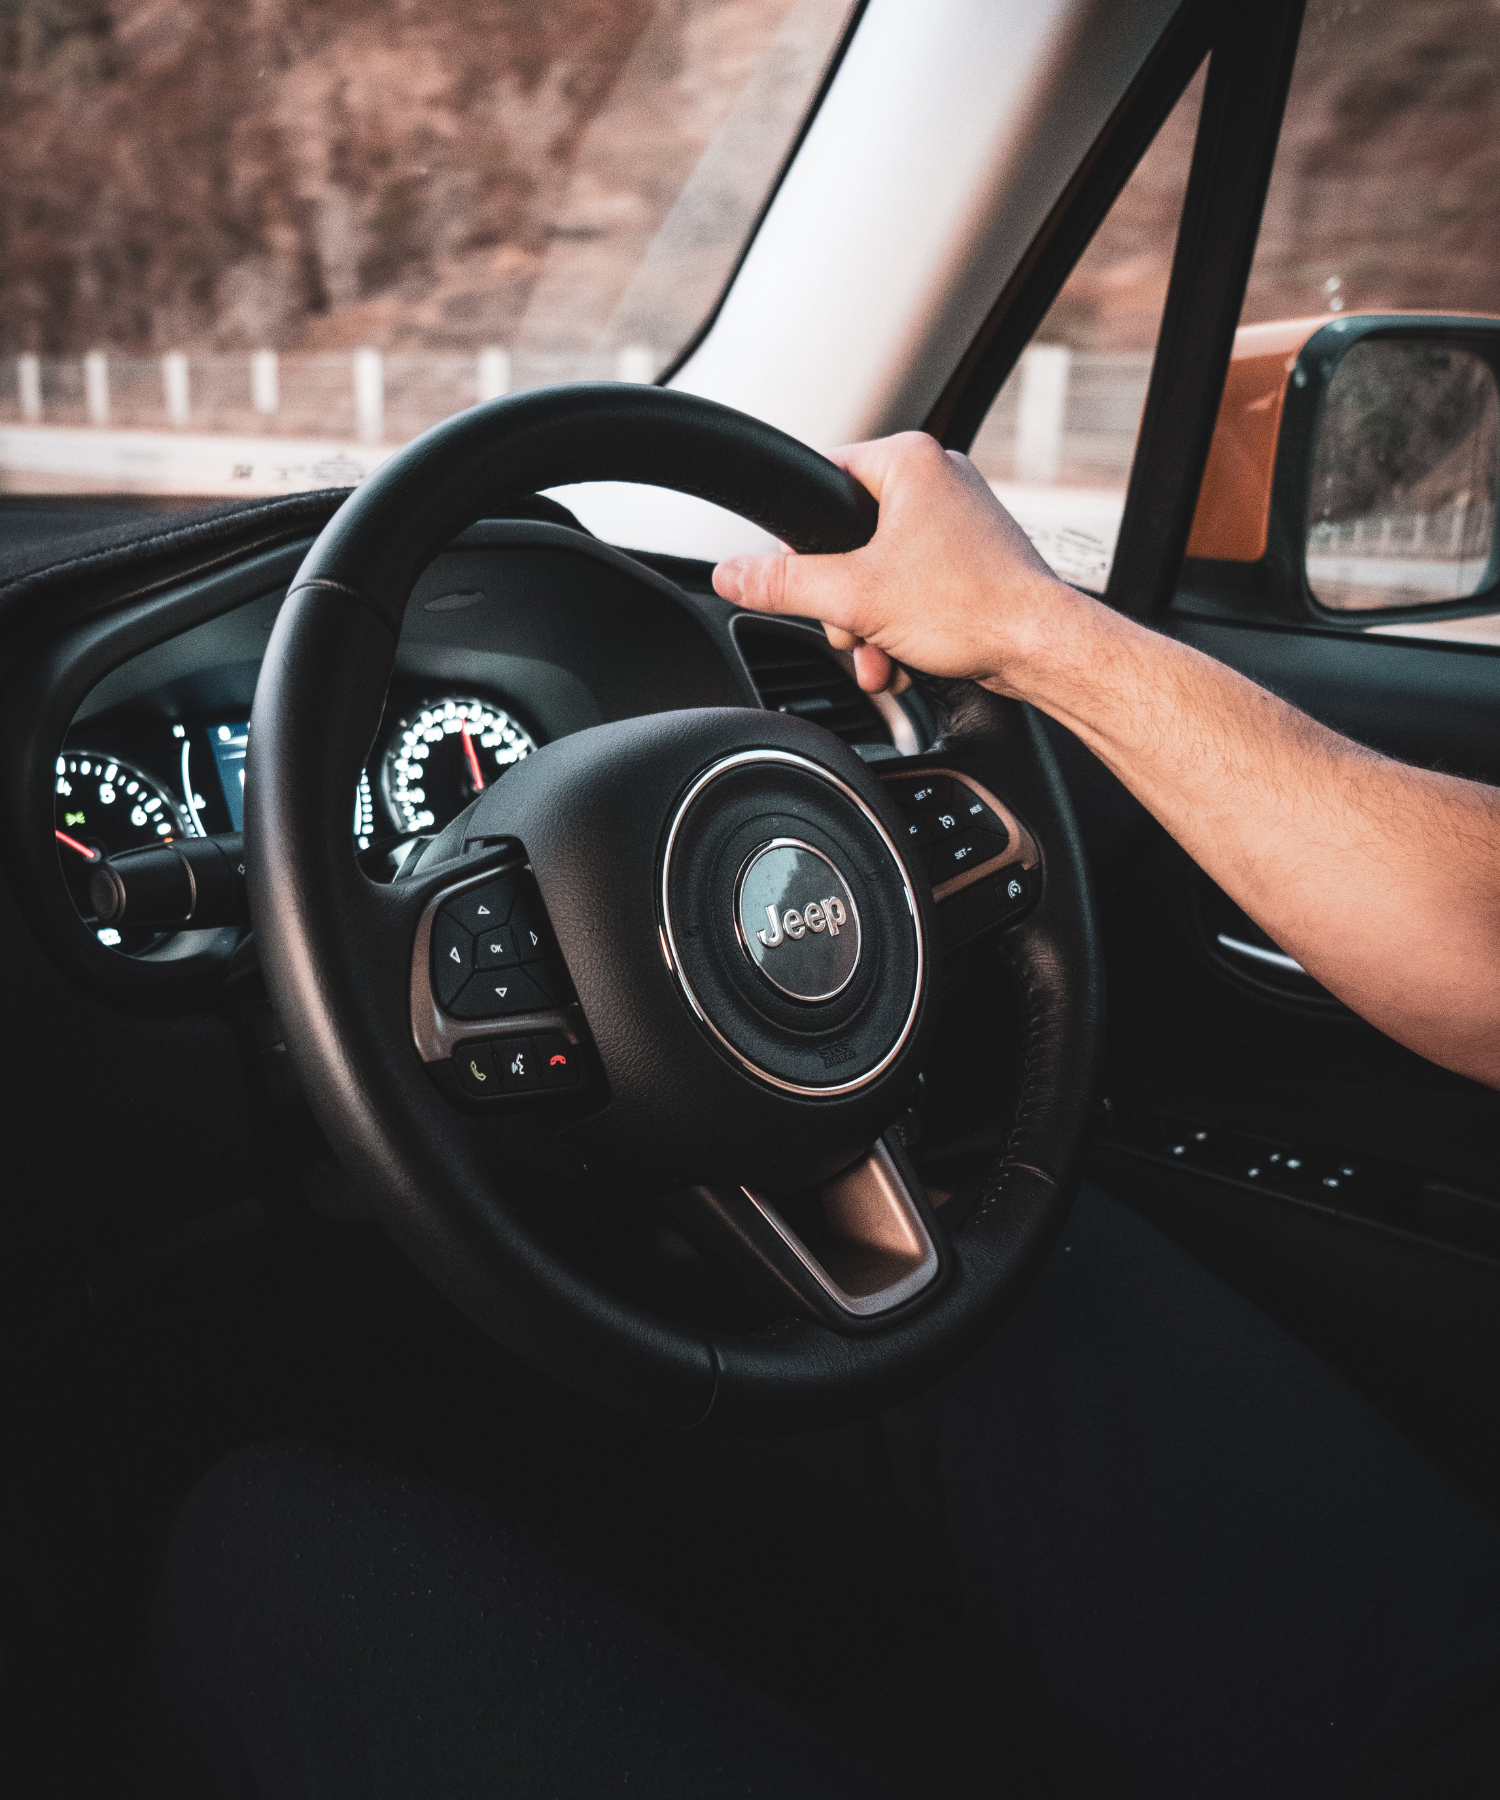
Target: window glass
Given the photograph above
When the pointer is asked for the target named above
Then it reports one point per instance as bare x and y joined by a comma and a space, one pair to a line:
1385, 198
1057, 443
1385, 195
248, 249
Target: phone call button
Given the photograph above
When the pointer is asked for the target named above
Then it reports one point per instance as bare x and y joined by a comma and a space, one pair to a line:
477, 1073
557, 1059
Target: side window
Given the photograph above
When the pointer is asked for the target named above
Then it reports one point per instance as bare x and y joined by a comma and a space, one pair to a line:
1382, 198
1058, 441
1368, 343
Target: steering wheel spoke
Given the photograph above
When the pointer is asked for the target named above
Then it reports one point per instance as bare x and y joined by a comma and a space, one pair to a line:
493, 1010
850, 1252
696, 946
980, 860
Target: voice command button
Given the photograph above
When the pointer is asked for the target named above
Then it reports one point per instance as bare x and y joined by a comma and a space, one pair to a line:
519, 1070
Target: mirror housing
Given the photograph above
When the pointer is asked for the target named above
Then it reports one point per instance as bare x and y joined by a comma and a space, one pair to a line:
1386, 472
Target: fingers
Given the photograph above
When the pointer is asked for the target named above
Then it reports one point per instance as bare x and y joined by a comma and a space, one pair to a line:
873, 669
824, 587
809, 587
758, 581
881, 462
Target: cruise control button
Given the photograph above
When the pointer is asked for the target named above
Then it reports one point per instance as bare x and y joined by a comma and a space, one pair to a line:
452, 958
500, 992
496, 948
953, 856
477, 1074
482, 908
517, 1061
977, 816
923, 794
557, 1060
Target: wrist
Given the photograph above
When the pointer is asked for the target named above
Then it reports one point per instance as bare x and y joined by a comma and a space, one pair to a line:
1047, 634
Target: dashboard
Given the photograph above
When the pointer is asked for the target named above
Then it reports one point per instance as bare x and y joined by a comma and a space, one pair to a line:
153, 775
520, 634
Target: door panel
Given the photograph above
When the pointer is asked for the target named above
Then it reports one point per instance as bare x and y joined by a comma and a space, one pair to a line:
1429, 705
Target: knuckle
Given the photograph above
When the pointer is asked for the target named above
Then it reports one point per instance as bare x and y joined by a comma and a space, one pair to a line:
920, 446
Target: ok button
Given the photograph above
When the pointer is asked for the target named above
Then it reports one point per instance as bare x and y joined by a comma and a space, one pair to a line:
496, 949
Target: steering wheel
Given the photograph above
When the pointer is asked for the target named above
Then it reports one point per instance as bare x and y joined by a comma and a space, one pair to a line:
687, 958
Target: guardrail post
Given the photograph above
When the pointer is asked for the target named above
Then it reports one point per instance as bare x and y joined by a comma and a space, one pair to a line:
174, 385
1041, 411
494, 372
369, 396
29, 381
96, 387
265, 381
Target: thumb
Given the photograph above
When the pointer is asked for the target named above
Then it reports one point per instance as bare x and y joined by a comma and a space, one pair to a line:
811, 587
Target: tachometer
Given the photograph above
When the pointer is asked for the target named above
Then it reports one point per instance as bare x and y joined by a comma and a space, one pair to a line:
103, 805
448, 751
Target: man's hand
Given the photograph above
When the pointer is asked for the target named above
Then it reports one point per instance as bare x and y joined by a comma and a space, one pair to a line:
1383, 881
949, 583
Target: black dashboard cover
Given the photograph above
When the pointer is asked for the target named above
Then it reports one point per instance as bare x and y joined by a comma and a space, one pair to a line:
88, 571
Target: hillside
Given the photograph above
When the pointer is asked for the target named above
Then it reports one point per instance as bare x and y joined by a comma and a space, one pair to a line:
214, 175
435, 175
1386, 190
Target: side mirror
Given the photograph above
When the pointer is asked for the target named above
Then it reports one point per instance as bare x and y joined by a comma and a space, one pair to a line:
1355, 469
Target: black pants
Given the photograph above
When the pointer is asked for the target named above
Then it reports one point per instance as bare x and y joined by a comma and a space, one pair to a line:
1213, 1569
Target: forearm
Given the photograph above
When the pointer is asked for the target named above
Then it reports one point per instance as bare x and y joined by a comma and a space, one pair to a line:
1382, 880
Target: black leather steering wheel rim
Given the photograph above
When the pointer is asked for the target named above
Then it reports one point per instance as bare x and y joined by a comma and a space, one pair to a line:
325, 932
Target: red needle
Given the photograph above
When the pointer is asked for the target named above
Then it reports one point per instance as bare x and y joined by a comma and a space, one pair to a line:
473, 761
73, 844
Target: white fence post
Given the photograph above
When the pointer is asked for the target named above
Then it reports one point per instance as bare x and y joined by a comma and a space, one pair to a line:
29, 380
1041, 411
96, 387
174, 386
635, 363
265, 381
369, 396
494, 372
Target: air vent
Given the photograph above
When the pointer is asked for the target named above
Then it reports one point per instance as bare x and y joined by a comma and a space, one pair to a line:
794, 673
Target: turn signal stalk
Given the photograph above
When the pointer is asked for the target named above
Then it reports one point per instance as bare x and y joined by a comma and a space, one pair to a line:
198, 881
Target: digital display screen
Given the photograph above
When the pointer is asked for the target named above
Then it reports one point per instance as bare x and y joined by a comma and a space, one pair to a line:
228, 743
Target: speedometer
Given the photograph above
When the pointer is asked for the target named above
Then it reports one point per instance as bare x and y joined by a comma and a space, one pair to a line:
103, 805
445, 753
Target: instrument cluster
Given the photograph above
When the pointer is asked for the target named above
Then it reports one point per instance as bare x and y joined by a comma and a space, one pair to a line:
158, 780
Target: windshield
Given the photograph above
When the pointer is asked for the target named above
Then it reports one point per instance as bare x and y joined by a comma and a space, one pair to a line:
248, 250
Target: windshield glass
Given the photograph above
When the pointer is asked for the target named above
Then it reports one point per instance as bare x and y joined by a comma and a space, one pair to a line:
247, 250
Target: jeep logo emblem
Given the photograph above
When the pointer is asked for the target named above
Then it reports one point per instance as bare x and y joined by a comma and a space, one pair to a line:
796, 920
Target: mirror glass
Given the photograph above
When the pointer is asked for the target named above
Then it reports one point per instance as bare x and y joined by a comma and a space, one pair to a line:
1402, 509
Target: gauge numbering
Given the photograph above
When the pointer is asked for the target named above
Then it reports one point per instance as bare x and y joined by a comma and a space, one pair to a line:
444, 755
